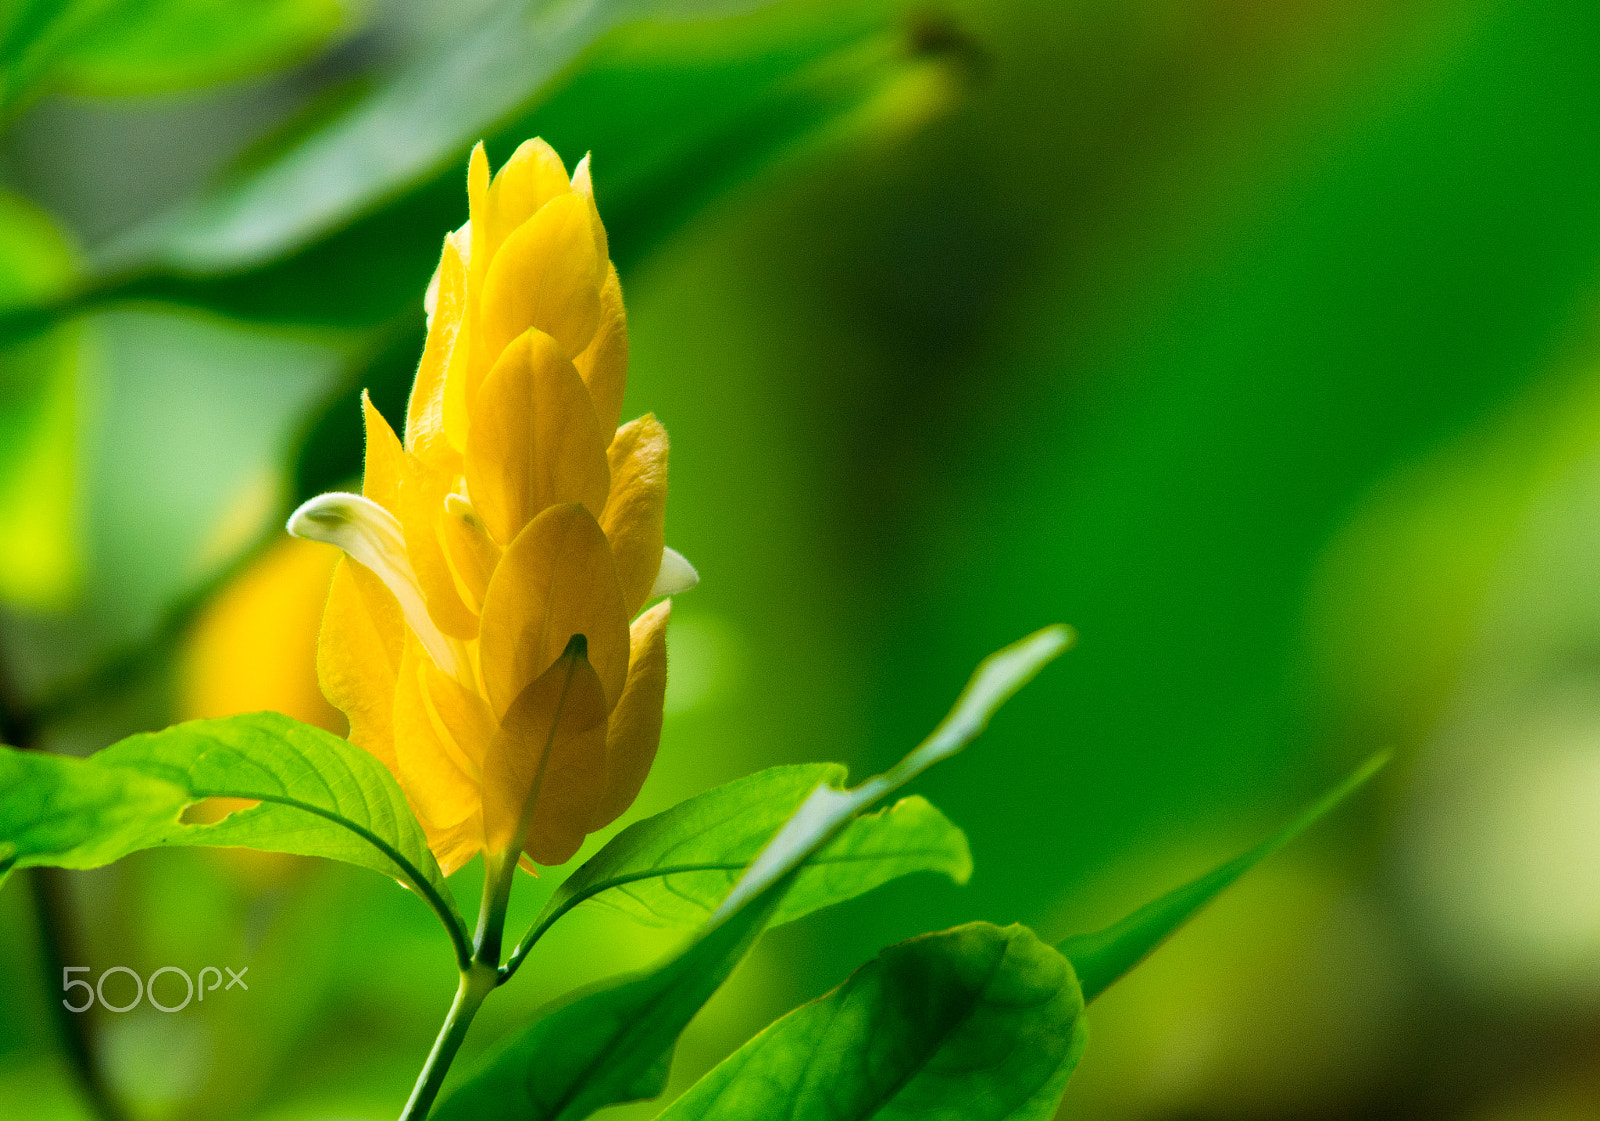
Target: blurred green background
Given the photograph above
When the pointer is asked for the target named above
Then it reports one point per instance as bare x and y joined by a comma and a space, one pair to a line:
1259, 341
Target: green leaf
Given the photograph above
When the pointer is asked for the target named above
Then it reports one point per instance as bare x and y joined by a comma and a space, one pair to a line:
71, 813
911, 835
320, 796
979, 1022
1103, 957
614, 1043
110, 47
674, 868
996, 680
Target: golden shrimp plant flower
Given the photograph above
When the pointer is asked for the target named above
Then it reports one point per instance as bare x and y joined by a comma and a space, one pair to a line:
477, 632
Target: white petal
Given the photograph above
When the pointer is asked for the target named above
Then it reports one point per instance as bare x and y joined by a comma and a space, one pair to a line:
371, 536
676, 575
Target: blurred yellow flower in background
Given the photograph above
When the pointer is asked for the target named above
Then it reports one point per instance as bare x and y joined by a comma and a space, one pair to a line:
251, 648
477, 633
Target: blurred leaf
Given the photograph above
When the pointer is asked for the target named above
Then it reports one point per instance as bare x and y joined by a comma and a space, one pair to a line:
614, 1043
979, 1022
35, 259
674, 868
173, 44
39, 561
343, 223
320, 796
440, 105
676, 116
1105, 956
110, 47
37, 416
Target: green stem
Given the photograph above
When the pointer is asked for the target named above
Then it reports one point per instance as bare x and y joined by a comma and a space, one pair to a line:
498, 874
480, 978
477, 982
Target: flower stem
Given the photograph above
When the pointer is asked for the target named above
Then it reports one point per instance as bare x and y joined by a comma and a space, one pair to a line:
477, 982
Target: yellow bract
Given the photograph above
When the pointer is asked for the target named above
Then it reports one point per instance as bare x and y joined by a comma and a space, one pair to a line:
477, 631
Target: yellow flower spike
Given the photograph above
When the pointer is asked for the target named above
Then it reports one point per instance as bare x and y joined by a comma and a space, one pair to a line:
676, 574
477, 227
604, 364
422, 498
385, 459
535, 441
477, 632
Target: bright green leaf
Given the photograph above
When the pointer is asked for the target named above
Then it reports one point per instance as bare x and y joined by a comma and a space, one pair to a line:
320, 796
674, 868
110, 47
614, 1043
177, 44
71, 813
979, 1022
1103, 957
